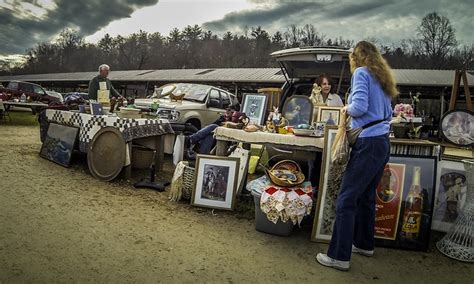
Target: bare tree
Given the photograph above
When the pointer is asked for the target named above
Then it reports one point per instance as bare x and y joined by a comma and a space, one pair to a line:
436, 38
309, 36
293, 36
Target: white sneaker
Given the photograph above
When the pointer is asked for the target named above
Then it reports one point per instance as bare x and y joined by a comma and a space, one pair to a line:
363, 252
325, 260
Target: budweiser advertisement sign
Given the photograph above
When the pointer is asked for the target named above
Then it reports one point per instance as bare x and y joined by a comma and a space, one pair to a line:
388, 198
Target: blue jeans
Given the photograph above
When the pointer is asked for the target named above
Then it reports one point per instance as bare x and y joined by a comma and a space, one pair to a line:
205, 138
355, 206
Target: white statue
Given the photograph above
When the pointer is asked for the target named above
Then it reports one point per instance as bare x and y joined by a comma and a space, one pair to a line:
316, 96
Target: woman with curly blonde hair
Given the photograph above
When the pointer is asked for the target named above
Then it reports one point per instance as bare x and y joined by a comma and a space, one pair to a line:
369, 105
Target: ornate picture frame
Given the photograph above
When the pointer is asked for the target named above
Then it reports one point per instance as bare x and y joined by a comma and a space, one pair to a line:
325, 212
455, 127
297, 110
215, 182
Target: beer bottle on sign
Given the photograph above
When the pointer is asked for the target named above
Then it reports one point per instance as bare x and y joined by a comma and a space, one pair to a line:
413, 208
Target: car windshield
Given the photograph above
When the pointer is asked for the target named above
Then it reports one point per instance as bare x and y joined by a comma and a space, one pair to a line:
193, 92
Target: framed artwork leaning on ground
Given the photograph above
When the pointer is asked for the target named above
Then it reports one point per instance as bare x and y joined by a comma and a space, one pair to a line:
329, 184
59, 143
404, 203
255, 107
450, 196
215, 182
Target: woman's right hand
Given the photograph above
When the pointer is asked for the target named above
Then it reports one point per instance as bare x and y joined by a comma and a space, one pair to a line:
344, 110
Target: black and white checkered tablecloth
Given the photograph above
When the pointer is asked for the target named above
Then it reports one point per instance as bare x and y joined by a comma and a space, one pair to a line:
89, 125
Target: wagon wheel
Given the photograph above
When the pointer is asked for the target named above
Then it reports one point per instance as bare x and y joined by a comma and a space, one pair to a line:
106, 154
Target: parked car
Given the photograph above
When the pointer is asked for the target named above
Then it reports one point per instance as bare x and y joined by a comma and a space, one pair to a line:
201, 104
301, 66
56, 95
15, 89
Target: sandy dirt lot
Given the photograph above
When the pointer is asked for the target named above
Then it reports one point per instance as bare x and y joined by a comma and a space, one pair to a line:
61, 225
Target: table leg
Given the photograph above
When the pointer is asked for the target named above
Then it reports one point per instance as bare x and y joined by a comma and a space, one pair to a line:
221, 147
128, 169
160, 153
246, 146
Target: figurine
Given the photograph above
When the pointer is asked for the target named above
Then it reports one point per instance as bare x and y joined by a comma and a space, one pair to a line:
274, 116
316, 97
283, 122
270, 126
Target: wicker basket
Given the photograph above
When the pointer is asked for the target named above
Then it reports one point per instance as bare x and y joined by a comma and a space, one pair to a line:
288, 166
188, 182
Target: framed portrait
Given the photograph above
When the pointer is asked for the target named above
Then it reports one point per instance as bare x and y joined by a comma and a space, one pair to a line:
255, 107
329, 115
298, 110
330, 181
404, 203
451, 188
215, 182
59, 143
457, 127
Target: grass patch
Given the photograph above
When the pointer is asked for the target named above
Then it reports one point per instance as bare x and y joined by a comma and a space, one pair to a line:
24, 118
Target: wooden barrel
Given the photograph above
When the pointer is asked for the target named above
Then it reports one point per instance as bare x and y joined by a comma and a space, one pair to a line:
106, 154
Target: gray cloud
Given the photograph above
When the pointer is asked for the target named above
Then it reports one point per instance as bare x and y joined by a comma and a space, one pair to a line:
21, 29
389, 21
256, 17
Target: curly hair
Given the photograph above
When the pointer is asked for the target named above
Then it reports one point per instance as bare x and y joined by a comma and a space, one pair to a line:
366, 54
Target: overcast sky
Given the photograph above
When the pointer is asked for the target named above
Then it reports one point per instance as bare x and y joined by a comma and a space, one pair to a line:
25, 23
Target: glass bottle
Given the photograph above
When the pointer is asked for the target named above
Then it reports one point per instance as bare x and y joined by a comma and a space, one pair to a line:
413, 208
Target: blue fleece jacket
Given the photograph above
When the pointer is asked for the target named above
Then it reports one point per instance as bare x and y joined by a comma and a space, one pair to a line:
367, 103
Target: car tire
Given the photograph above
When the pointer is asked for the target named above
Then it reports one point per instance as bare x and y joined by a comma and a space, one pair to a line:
195, 122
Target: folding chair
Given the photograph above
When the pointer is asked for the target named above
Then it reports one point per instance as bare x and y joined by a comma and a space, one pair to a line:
4, 112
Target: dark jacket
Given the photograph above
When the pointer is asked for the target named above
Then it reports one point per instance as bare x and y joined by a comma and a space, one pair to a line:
94, 87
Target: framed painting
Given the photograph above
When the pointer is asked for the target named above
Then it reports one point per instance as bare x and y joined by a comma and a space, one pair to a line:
215, 182
59, 143
329, 115
457, 127
450, 196
404, 203
298, 110
330, 181
255, 107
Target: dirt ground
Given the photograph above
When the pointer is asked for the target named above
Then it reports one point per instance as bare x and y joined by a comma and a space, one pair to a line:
61, 225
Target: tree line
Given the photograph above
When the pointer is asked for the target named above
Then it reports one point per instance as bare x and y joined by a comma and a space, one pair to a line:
434, 47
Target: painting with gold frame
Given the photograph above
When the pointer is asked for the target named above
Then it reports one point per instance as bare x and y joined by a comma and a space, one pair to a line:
328, 115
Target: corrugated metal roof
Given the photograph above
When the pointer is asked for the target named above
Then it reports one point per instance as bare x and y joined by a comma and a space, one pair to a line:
404, 77
424, 77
